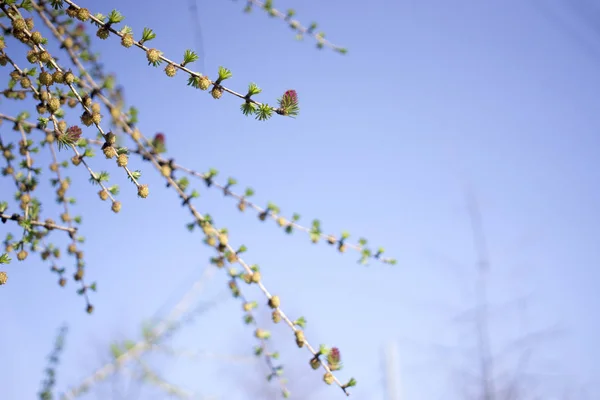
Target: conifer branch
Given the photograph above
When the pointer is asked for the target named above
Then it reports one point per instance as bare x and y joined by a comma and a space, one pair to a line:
78, 158
48, 224
93, 117
28, 221
82, 91
287, 223
272, 212
263, 111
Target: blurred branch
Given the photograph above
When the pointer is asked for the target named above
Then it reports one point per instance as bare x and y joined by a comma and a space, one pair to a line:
172, 390
267, 5
147, 342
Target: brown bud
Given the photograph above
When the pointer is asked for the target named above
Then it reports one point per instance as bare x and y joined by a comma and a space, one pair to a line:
22, 255
116, 206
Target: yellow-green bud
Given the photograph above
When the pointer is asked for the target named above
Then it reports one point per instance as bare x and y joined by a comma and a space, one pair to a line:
37, 37
216, 92
111, 138
44, 95
25, 83
45, 78
32, 56
143, 191
58, 77
83, 14
53, 105
170, 70
276, 316
109, 152
87, 101
19, 24
69, 77
274, 302
127, 40
115, 113
165, 170
223, 239
96, 118
203, 83
153, 55
44, 56
65, 217
72, 249
122, 160
103, 32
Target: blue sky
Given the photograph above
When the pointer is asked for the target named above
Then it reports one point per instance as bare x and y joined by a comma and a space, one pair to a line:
432, 97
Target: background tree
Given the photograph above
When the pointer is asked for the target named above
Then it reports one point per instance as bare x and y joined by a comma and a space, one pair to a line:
502, 353
493, 349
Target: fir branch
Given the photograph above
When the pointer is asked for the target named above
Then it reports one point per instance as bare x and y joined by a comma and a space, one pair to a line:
155, 56
82, 90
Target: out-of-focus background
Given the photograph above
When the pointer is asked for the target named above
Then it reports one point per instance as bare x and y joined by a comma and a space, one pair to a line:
461, 136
